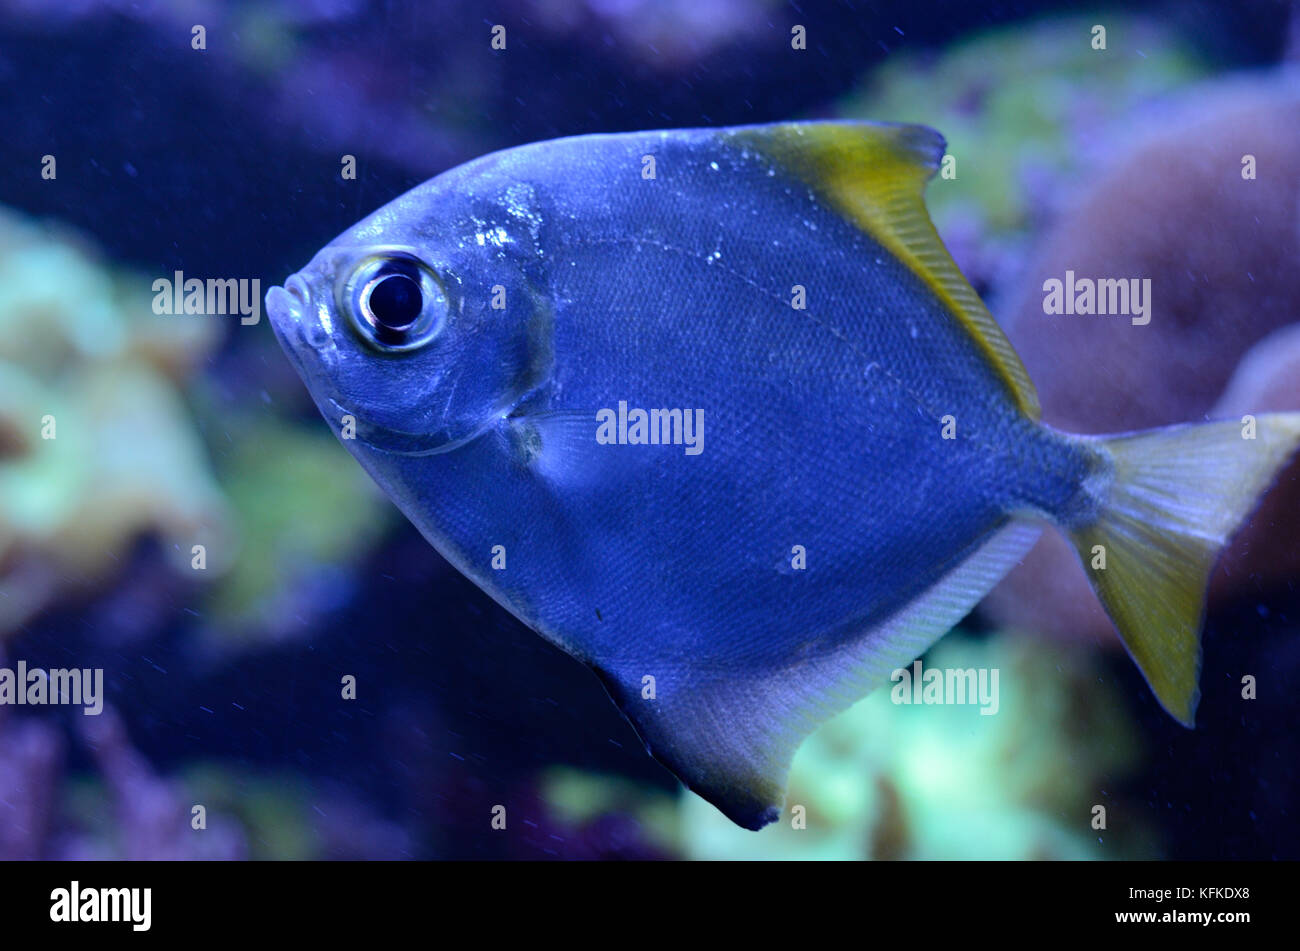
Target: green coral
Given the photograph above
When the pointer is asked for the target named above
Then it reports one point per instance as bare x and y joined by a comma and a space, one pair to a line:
1022, 96
99, 445
576, 798
270, 807
887, 780
300, 502
96, 443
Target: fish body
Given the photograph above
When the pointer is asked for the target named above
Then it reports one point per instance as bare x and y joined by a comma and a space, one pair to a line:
714, 412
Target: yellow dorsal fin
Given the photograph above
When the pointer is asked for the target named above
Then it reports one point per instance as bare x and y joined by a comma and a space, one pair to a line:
874, 175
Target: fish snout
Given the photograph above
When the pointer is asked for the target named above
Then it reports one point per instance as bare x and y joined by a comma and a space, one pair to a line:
298, 319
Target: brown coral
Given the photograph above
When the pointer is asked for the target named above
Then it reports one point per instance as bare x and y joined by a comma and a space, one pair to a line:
1221, 250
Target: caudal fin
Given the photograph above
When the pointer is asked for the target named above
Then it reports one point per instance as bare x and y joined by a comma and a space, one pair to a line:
1178, 494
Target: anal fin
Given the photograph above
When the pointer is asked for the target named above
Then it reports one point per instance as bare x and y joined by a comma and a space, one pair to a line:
730, 735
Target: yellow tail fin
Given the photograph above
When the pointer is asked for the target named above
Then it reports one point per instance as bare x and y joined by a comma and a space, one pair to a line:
1178, 494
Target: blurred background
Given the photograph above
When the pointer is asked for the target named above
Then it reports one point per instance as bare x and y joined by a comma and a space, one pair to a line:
223, 684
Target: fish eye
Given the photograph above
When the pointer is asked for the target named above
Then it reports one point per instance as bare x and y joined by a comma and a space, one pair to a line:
395, 301
392, 301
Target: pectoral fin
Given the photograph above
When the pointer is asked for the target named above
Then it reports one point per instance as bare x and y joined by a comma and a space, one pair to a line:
562, 447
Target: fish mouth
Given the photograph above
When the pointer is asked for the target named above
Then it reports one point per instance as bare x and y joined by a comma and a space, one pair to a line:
287, 307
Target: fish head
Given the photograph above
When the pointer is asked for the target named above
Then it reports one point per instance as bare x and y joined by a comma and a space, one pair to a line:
419, 327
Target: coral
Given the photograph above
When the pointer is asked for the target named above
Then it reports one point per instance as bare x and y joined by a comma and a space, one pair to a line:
84, 359
31, 756
96, 445
1220, 251
609, 816
1022, 108
306, 513
150, 816
133, 814
670, 35
129, 811
893, 781
287, 818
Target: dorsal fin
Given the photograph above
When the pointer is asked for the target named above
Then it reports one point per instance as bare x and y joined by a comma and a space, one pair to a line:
874, 175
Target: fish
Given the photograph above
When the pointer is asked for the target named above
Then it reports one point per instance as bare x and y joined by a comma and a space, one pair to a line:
515, 349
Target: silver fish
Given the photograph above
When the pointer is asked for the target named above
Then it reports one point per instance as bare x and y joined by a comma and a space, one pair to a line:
714, 411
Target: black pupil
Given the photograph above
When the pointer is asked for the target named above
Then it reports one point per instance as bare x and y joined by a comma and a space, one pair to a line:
395, 302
